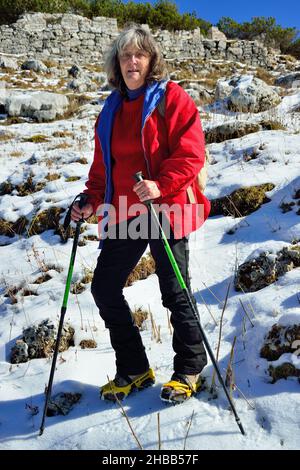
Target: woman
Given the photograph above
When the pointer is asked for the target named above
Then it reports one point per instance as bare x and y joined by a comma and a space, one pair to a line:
147, 124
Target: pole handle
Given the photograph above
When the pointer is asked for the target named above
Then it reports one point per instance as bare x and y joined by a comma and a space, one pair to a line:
138, 176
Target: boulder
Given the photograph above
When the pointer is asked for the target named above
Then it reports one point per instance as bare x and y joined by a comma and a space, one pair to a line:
40, 106
39, 341
8, 63
75, 71
35, 65
260, 272
215, 34
291, 80
246, 93
82, 85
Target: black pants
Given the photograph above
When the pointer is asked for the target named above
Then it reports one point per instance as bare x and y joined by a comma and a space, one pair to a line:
117, 259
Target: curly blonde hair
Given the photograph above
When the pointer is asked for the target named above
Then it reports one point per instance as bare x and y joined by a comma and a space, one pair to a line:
134, 35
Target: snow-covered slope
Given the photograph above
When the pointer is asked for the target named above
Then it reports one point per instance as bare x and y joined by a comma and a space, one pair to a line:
269, 412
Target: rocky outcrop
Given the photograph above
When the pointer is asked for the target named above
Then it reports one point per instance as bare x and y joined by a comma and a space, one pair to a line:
291, 80
245, 93
215, 34
39, 340
40, 106
72, 37
260, 272
35, 65
8, 63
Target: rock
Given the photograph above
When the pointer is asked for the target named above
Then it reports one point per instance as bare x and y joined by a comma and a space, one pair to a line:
194, 94
245, 93
215, 34
75, 71
291, 80
19, 352
106, 87
41, 106
82, 85
62, 403
39, 340
197, 91
8, 63
99, 77
260, 272
280, 340
35, 65
284, 371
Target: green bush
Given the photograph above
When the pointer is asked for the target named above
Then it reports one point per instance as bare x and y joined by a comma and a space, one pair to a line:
273, 34
163, 14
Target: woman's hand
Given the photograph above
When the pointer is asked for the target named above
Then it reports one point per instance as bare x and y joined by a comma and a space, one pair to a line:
146, 189
85, 212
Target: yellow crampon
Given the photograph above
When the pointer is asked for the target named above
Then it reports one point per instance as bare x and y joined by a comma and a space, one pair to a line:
180, 389
121, 387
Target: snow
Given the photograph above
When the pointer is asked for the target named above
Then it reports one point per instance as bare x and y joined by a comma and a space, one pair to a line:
270, 413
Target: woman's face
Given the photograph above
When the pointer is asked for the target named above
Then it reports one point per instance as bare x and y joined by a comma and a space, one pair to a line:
134, 64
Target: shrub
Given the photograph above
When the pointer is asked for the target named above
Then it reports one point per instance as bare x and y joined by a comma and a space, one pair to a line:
241, 202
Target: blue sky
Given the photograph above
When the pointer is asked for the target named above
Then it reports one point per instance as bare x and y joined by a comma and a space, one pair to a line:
286, 13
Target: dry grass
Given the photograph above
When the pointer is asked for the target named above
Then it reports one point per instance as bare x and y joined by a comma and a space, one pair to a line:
43, 278
50, 63
24, 189
75, 103
46, 220
283, 371
22, 84
88, 275
140, 316
5, 136
16, 154
223, 132
11, 292
52, 176
13, 120
264, 75
92, 238
72, 178
62, 134
37, 139
93, 219
272, 125
63, 145
88, 344
241, 202
82, 161
10, 229
87, 278
94, 67
144, 268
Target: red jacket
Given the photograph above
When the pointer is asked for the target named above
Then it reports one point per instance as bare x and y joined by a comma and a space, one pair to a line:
174, 149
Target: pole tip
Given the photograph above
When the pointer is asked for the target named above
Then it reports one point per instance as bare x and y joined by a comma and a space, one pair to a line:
241, 428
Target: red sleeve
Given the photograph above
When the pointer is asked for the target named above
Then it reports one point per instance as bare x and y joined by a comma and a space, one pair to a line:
185, 140
96, 179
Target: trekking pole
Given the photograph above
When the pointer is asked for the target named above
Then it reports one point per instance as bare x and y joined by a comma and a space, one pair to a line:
82, 201
139, 177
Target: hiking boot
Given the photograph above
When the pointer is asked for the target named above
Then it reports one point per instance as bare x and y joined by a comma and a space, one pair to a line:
121, 387
181, 387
